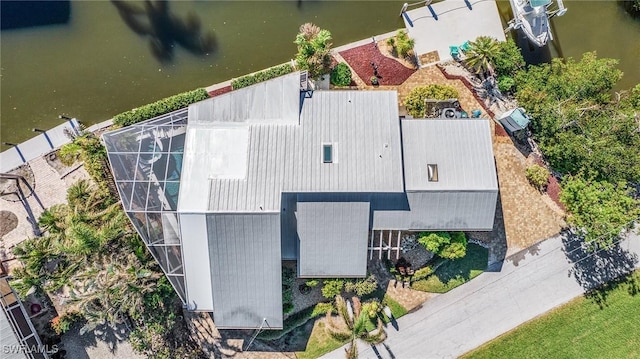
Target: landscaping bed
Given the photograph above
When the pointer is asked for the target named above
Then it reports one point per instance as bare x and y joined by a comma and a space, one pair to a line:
391, 72
453, 273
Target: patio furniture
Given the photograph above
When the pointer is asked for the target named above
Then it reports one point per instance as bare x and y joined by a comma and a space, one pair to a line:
465, 47
455, 51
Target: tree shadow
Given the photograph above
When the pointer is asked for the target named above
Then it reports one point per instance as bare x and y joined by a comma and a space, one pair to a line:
75, 343
593, 268
516, 258
165, 29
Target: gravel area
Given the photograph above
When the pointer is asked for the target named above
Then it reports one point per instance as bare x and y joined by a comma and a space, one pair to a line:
390, 71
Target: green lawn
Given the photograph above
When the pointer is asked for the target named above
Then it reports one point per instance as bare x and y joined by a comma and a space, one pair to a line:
582, 328
455, 272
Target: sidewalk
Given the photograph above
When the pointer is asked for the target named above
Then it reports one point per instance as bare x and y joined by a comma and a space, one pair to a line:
529, 284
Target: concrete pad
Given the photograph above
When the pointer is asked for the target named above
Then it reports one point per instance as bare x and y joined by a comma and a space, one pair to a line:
456, 24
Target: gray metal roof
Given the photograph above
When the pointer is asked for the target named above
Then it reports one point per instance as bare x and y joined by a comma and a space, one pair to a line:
442, 210
363, 130
245, 265
333, 238
284, 156
462, 149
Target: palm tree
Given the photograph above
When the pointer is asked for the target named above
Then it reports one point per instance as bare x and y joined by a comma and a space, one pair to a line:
356, 316
480, 54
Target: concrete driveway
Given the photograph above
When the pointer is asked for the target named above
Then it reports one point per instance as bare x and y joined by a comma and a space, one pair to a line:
528, 284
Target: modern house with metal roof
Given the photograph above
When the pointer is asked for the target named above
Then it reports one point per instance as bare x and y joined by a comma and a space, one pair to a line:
225, 191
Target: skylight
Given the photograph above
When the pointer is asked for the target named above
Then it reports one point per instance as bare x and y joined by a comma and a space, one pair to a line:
327, 153
432, 171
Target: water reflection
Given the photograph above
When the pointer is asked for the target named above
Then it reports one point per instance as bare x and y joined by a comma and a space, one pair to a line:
19, 14
165, 28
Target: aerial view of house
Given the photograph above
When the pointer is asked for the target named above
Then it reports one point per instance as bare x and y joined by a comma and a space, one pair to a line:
194, 179
225, 191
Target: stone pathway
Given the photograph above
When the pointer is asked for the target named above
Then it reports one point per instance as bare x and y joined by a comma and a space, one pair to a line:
50, 189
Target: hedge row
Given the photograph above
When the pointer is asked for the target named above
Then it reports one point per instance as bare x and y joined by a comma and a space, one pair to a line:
261, 76
161, 107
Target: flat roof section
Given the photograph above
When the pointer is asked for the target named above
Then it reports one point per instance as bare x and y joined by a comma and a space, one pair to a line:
333, 239
460, 149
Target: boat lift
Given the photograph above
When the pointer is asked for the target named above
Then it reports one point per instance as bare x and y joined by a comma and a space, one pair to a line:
517, 23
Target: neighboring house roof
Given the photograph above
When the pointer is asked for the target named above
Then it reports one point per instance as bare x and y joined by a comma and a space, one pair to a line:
461, 149
17, 332
281, 157
333, 239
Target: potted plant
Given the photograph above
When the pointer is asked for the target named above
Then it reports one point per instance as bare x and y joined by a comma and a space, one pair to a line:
374, 80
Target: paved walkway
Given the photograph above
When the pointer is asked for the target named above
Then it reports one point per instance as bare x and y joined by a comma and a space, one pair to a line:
529, 284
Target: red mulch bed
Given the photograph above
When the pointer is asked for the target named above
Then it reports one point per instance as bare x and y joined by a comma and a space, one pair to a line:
392, 73
553, 190
500, 131
220, 91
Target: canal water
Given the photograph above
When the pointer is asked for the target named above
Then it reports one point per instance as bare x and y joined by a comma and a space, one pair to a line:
107, 58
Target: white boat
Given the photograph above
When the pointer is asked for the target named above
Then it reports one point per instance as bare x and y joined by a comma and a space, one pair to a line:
532, 16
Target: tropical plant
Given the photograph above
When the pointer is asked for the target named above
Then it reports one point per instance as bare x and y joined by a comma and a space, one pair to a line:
313, 50
358, 318
481, 51
403, 44
414, 102
341, 75
538, 176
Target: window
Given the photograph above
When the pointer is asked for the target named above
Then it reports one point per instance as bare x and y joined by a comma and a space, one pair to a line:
432, 171
327, 153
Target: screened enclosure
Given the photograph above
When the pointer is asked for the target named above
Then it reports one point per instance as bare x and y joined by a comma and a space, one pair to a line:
146, 161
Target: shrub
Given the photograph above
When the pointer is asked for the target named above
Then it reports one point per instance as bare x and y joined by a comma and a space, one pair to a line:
422, 273
362, 287
538, 176
161, 107
341, 75
507, 60
312, 283
457, 248
332, 287
506, 84
261, 76
288, 280
415, 100
434, 241
62, 323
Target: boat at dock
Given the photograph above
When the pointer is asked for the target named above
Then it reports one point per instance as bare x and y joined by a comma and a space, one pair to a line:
532, 17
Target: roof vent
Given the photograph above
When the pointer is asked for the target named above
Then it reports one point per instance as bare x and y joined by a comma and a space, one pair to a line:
432, 171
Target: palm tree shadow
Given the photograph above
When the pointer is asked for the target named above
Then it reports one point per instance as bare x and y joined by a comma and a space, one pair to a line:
593, 269
165, 29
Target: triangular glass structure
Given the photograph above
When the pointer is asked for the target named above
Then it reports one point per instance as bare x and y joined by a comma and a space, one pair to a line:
146, 161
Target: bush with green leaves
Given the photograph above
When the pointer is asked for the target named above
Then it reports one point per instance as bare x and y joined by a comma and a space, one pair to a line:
341, 75
262, 76
332, 287
414, 102
161, 107
362, 287
444, 244
434, 241
507, 60
312, 283
538, 176
422, 273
